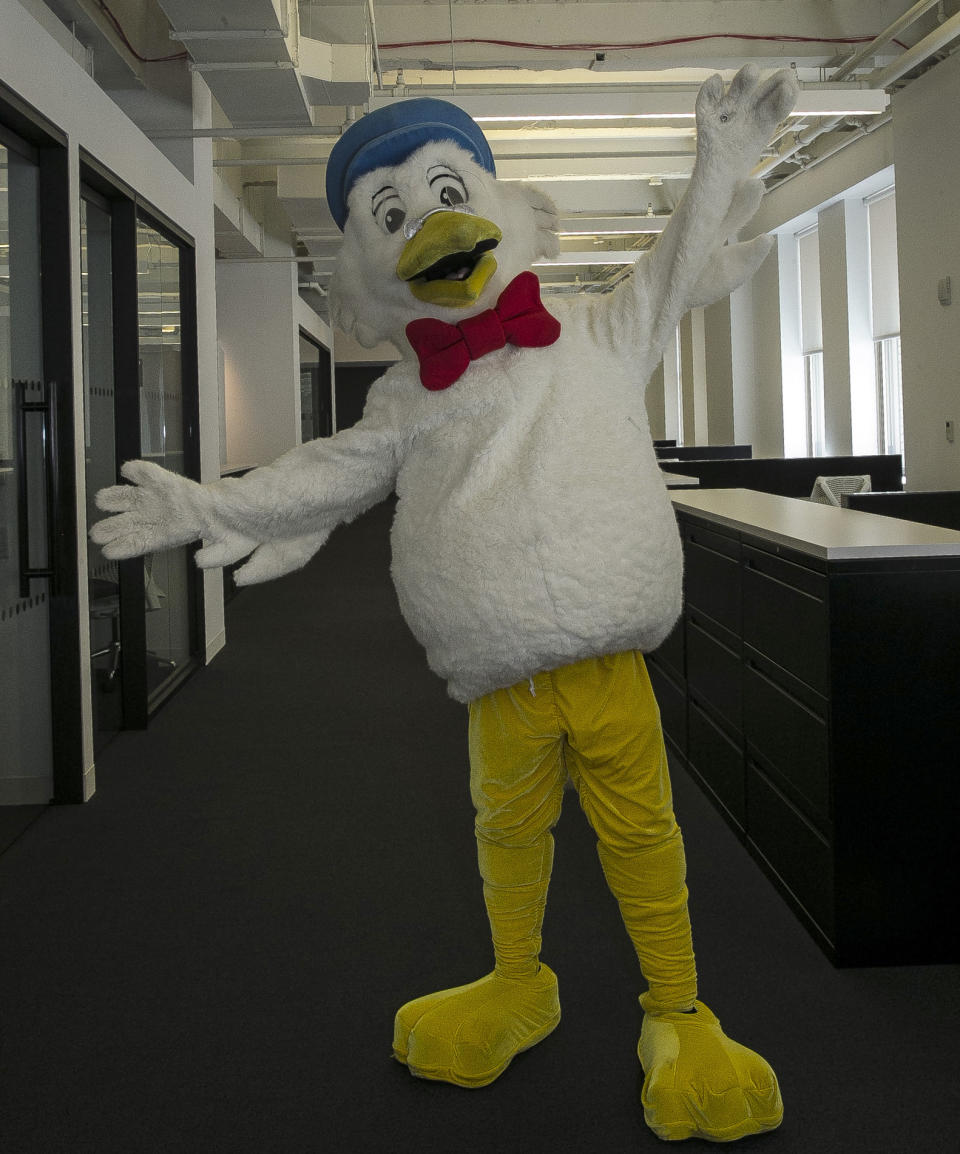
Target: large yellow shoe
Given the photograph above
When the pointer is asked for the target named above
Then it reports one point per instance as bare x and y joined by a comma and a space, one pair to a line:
701, 1084
468, 1035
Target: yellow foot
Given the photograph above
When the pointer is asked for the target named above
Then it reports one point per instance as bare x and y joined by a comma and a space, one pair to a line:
701, 1084
469, 1035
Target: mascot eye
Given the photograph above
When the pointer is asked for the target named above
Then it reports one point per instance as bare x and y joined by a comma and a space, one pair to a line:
452, 194
393, 218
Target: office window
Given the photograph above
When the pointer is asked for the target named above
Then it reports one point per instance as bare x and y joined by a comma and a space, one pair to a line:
885, 308
889, 395
677, 378
811, 338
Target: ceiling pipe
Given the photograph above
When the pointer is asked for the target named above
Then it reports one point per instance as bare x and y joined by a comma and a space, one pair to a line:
885, 37
376, 44
453, 49
800, 140
913, 57
880, 78
864, 130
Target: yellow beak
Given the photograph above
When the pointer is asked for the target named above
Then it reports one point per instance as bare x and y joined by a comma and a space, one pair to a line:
448, 261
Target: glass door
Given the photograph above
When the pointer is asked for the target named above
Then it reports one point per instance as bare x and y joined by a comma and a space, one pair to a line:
139, 373
316, 401
170, 584
26, 456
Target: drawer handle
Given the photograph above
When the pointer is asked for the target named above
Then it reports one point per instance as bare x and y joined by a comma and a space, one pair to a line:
751, 664
699, 622
701, 544
751, 564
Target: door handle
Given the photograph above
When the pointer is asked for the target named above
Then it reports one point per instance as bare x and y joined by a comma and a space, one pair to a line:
47, 408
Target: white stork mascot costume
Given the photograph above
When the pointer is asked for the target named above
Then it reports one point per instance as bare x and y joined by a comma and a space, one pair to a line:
535, 552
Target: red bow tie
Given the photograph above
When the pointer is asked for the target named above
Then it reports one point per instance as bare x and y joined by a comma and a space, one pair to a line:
518, 319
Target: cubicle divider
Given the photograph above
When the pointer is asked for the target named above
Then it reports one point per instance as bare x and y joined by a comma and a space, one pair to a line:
937, 507
702, 452
789, 476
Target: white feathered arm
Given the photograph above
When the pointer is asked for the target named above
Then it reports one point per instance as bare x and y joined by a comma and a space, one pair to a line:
282, 513
691, 265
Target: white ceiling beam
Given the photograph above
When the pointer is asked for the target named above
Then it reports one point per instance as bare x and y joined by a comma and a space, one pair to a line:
556, 25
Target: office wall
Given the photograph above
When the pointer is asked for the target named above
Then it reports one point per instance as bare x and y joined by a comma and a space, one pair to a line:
757, 362
257, 310
718, 372
921, 145
259, 317
38, 70
927, 151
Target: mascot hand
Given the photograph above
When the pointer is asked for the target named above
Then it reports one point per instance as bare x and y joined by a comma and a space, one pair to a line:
734, 126
160, 510
729, 268
275, 558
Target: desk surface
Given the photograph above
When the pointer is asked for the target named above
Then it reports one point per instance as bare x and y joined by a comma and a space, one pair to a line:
819, 530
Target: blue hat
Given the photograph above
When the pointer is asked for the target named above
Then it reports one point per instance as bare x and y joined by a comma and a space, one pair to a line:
389, 135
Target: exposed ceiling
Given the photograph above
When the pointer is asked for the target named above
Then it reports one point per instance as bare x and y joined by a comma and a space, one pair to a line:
592, 98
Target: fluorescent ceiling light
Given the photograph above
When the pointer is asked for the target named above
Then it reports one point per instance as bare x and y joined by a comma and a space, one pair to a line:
544, 178
642, 103
601, 256
589, 116
620, 231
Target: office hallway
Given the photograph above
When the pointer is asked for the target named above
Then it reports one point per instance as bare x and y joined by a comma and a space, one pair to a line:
208, 956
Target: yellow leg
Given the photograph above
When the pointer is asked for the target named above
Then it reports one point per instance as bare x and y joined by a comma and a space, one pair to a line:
619, 765
697, 1081
650, 888
468, 1035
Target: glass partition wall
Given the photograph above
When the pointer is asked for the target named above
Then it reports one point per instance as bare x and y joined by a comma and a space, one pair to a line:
41, 754
139, 356
26, 765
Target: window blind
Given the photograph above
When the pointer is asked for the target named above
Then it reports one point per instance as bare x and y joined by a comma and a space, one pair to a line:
884, 285
808, 253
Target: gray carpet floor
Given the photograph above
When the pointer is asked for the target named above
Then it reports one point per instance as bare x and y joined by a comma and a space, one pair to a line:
207, 957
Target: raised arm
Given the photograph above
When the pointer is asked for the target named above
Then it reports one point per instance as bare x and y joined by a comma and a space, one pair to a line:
281, 513
689, 266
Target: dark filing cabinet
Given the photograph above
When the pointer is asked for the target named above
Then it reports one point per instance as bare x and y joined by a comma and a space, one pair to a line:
811, 689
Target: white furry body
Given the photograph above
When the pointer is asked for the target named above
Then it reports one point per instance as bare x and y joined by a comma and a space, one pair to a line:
533, 527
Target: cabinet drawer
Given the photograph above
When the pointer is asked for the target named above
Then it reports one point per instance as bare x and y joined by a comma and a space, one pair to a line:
714, 669
785, 615
796, 852
672, 700
786, 723
670, 651
712, 575
719, 761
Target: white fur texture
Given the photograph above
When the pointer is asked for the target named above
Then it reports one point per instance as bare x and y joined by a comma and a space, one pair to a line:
533, 527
